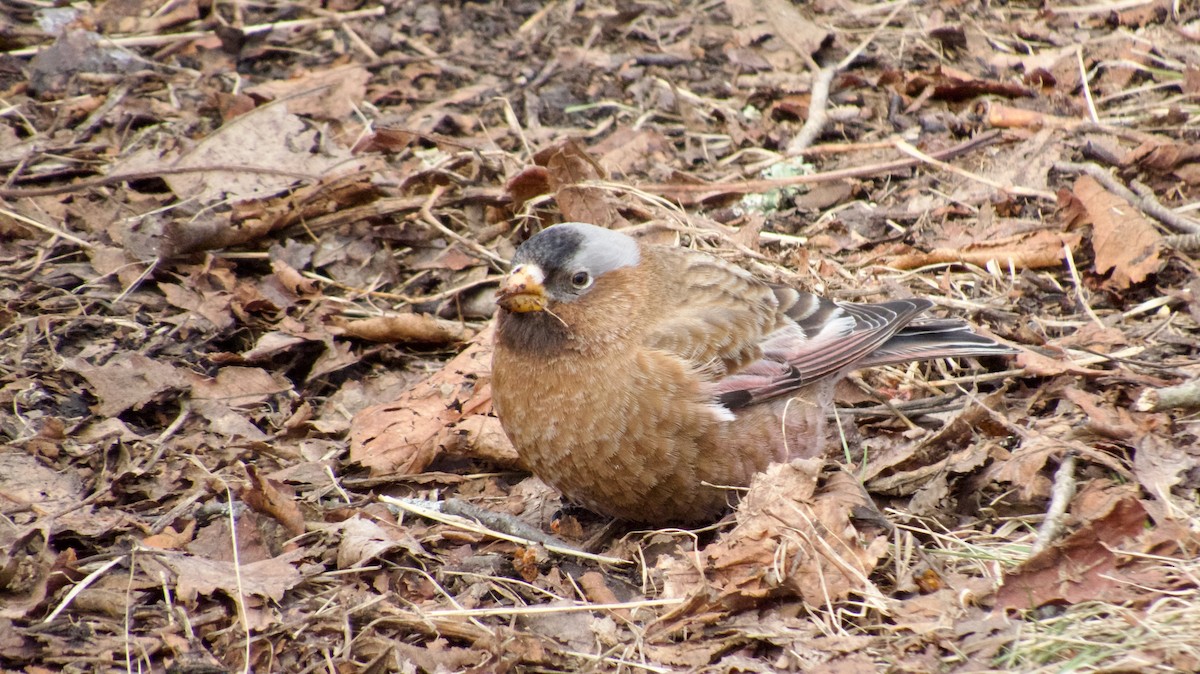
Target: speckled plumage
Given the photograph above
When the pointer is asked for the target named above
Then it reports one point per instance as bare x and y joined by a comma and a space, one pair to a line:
632, 377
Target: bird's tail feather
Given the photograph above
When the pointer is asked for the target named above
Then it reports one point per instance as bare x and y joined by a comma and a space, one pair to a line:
939, 338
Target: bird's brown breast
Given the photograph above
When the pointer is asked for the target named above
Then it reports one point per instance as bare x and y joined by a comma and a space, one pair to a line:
610, 400
621, 434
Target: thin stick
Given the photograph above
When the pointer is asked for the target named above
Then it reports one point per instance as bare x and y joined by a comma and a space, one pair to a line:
1079, 286
1183, 396
765, 184
911, 151
47, 228
1060, 497
823, 81
543, 609
1101, 8
1087, 89
20, 192
80, 587
171, 38
429, 218
468, 525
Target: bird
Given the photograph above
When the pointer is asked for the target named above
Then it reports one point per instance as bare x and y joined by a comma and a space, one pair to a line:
643, 381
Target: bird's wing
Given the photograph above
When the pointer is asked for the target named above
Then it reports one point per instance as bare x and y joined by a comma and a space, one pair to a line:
715, 315
823, 339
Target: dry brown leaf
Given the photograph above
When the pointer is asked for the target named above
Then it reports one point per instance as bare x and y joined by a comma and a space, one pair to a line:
1023, 470
194, 576
406, 328
130, 17
949, 450
438, 655
25, 481
127, 381
1037, 365
1038, 250
268, 138
239, 386
1124, 242
26, 565
629, 151
528, 183
403, 437
950, 84
335, 93
568, 165
1160, 464
1106, 420
1088, 564
1093, 337
203, 310
170, 539
792, 539
223, 400
757, 19
361, 542
228, 422
273, 499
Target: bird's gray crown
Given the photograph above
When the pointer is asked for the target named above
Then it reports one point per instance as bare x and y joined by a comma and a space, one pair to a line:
577, 245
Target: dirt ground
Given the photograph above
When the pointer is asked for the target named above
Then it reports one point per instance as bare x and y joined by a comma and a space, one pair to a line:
248, 257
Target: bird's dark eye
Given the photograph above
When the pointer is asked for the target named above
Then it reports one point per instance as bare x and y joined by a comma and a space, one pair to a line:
581, 279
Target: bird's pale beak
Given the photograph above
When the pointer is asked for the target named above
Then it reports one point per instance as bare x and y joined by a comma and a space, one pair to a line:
522, 290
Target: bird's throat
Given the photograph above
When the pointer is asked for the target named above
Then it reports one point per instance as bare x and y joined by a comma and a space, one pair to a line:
533, 332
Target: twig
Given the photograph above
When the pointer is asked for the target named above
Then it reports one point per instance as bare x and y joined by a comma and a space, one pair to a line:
427, 510
1060, 497
1184, 243
1079, 293
45, 228
554, 609
81, 586
911, 151
429, 218
1099, 8
19, 193
817, 115
1144, 199
822, 81
1149, 203
1087, 89
160, 40
400, 297
1181, 396
497, 521
765, 184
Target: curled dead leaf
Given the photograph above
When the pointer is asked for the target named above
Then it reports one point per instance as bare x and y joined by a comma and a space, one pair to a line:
418, 328
1037, 250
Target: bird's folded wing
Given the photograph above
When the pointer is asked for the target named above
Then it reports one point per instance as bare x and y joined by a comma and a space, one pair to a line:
717, 314
827, 338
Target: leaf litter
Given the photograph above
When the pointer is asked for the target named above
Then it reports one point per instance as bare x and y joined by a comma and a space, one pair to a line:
244, 387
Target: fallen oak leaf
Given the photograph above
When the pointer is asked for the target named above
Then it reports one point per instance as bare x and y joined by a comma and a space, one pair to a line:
796, 536
1124, 241
449, 411
1091, 564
